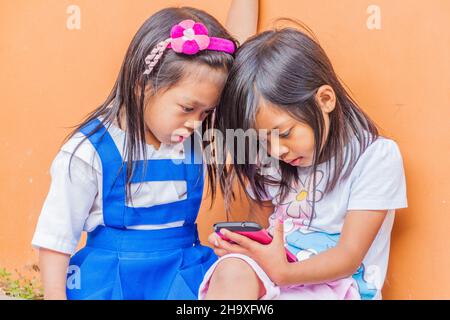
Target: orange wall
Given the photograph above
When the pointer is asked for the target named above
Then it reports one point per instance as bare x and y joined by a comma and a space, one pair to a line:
51, 76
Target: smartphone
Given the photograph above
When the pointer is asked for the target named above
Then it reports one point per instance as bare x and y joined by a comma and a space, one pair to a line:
251, 230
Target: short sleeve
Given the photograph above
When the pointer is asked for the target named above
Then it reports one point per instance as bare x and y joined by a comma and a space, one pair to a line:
67, 205
378, 178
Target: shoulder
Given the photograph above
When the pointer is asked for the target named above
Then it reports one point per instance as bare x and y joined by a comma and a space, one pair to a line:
80, 148
382, 149
378, 179
382, 156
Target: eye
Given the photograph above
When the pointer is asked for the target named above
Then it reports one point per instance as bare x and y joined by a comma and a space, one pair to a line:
285, 134
187, 109
208, 112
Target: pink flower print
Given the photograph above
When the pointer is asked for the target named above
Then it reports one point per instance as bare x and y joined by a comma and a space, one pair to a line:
189, 37
298, 203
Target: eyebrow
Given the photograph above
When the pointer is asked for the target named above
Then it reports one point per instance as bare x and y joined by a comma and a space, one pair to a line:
276, 127
197, 104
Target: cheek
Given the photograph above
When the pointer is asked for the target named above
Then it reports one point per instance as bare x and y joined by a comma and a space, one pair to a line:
153, 119
162, 119
302, 142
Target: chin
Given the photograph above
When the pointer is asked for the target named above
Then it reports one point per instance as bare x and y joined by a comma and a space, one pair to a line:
305, 165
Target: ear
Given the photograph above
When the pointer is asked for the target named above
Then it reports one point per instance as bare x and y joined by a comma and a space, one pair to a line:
148, 91
326, 98
148, 88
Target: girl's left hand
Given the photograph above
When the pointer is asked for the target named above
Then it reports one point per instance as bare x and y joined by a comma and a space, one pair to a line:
271, 257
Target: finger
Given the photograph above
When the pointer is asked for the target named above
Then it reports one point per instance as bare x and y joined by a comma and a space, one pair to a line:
239, 239
220, 252
231, 248
278, 233
212, 239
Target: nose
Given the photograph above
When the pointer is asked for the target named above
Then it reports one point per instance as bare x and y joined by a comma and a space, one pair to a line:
279, 150
193, 124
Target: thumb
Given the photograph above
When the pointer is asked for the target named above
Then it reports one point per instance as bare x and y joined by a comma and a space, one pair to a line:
278, 233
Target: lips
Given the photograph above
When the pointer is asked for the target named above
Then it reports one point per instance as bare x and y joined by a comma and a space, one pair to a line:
178, 138
295, 161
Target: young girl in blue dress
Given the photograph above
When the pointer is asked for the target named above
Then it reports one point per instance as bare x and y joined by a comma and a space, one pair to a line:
131, 174
331, 189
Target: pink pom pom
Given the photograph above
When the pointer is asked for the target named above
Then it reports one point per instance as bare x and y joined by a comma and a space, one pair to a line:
199, 28
191, 47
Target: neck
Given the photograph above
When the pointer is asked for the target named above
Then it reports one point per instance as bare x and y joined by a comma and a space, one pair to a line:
150, 138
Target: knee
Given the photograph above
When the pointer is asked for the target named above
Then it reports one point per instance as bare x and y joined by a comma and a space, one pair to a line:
232, 271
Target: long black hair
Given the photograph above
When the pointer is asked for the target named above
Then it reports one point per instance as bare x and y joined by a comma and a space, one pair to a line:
127, 97
286, 68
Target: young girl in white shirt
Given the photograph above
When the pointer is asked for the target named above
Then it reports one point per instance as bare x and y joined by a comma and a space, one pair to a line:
131, 175
331, 189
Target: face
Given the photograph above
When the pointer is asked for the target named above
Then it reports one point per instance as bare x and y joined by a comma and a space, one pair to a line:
173, 114
294, 143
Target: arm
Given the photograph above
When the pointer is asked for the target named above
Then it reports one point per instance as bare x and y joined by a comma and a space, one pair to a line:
53, 266
381, 177
61, 222
242, 21
359, 231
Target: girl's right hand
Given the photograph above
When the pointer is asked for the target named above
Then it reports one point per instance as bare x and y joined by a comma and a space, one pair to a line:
214, 239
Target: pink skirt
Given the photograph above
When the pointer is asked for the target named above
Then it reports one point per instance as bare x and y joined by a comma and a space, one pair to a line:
342, 289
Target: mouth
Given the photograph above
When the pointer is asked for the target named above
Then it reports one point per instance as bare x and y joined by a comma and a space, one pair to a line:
294, 162
178, 138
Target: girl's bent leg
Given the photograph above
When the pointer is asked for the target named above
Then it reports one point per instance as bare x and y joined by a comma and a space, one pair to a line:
234, 279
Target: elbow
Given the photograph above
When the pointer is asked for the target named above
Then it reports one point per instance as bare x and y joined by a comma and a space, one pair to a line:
351, 269
351, 262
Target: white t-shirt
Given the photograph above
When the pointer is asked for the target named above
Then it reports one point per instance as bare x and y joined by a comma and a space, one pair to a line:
377, 182
75, 205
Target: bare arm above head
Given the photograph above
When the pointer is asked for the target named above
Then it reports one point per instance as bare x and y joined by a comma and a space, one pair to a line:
242, 20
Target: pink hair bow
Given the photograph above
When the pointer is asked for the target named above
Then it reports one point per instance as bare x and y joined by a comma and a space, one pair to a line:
190, 37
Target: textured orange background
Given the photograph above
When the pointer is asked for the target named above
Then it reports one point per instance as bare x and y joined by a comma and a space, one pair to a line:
51, 76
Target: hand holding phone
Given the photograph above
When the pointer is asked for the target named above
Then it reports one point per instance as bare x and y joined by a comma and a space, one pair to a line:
251, 230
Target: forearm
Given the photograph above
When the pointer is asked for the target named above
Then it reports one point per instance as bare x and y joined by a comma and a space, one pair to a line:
242, 20
358, 233
329, 265
53, 266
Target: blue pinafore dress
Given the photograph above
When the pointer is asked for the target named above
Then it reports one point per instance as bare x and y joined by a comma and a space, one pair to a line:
119, 263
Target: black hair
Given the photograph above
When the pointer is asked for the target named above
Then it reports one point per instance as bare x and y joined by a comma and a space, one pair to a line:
127, 97
286, 68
